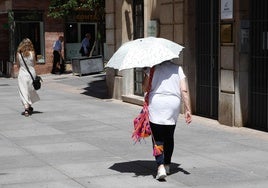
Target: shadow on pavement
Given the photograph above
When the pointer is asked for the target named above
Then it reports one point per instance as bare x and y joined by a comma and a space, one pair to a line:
34, 112
144, 168
97, 89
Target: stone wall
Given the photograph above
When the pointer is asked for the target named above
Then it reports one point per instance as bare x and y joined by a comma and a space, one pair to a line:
234, 73
119, 29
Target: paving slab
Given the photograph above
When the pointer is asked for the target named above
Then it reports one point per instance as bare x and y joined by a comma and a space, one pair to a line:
46, 184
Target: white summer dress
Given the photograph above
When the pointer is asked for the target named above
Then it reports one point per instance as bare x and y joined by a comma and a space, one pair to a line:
28, 94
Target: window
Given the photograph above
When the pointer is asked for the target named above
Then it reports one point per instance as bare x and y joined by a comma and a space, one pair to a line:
30, 25
138, 19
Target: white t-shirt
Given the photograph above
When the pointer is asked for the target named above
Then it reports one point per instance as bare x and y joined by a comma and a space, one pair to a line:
165, 94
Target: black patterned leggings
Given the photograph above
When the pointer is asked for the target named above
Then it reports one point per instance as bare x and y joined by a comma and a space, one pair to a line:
164, 135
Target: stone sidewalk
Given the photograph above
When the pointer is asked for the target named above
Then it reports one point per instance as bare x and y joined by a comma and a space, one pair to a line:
78, 138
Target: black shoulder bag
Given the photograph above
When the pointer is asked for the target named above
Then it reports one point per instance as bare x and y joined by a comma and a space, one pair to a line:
37, 80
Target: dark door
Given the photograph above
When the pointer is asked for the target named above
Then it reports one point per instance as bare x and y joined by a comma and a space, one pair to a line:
4, 44
207, 58
29, 24
29, 30
259, 65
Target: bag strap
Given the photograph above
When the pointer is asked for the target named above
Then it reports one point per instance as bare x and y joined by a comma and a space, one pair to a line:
149, 85
157, 149
26, 66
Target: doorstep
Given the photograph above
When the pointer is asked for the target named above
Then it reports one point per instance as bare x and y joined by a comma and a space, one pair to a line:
133, 99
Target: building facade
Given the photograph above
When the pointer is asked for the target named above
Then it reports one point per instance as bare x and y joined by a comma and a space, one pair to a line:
225, 55
27, 19
20, 19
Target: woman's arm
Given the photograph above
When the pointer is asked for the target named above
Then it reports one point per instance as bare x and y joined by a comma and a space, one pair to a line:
33, 57
145, 82
186, 100
17, 60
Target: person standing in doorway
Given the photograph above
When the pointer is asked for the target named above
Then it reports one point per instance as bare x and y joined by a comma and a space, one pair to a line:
86, 46
57, 56
168, 88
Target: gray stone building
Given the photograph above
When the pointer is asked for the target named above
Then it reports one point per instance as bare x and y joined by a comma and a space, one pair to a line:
225, 55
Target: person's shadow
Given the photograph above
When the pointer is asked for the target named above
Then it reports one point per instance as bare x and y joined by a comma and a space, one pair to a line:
144, 168
33, 112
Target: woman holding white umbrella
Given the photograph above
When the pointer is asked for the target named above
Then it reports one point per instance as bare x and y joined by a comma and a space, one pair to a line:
168, 87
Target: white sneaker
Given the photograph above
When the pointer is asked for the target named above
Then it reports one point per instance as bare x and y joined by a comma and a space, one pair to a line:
161, 173
167, 167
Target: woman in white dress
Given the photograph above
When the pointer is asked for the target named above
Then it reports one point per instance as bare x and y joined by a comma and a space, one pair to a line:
28, 94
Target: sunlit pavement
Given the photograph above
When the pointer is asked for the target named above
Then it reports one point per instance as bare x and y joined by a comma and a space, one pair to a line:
77, 138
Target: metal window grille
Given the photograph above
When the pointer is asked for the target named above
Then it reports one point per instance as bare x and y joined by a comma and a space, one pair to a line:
207, 57
138, 33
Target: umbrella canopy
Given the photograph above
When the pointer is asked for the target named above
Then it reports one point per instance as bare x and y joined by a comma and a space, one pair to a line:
144, 52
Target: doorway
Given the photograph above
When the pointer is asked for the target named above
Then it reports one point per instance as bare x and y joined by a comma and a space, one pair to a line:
258, 65
207, 20
30, 25
75, 33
